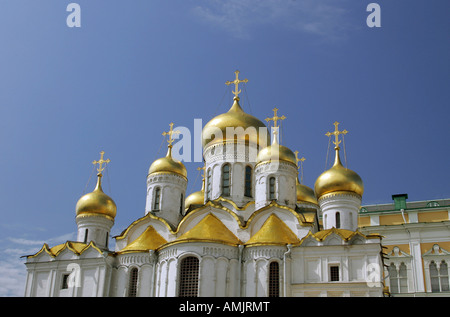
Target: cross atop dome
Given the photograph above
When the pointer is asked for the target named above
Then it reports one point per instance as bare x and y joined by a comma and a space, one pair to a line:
300, 166
101, 162
236, 83
336, 134
170, 133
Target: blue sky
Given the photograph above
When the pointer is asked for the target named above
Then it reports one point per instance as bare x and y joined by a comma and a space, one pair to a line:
135, 66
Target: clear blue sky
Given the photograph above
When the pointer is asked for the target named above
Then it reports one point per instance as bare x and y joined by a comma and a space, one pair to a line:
135, 66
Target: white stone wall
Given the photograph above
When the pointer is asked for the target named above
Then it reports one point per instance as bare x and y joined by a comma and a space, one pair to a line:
98, 229
172, 186
216, 156
346, 203
285, 187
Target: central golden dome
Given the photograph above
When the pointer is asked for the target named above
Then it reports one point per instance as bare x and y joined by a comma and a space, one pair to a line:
338, 178
97, 203
253, 130
168, 164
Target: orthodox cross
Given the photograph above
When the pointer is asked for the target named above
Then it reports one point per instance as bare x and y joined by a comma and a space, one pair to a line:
336, 134
202, 169
275, 119
170, 133
100, 162
301, 165
236, 83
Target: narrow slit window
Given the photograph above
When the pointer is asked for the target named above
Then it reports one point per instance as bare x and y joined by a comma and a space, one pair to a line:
274, 279
272, 188
132, 286
226, 180
248, 181
208, 185
156, 204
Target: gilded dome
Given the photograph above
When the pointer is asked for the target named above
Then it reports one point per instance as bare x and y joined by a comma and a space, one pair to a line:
338, 178
276, 152
96, 202
305, 194
168, 164
196, 198
233, 119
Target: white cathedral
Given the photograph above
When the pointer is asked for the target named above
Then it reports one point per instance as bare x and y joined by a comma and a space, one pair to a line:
252, 230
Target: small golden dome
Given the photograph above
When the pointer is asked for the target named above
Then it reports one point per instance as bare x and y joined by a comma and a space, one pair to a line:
233, 119
168, 164
276, 152
96, 202
338, 178
197, 198
305, 194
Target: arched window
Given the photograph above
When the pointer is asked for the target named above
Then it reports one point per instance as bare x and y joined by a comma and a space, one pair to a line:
338, 220
393, 278
189, 269
208, 185
403, 278
439, 277
272, 188
443, 274
434, 277
226, 180
157, 198
248, 181
274, 279
132, 284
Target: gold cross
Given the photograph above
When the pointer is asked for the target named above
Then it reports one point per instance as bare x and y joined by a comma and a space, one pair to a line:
236, 83
170, 134
100, 162
301, 165
336, 134
275, 118
202, 169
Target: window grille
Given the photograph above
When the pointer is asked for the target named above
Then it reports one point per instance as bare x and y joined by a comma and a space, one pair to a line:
132, 286
189, 269
334, 273
274, 279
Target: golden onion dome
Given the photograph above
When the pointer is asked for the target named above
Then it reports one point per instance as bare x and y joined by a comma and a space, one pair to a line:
96, 203
305, 194
215, 131
168, 164
338, 178
196, 198
276, 152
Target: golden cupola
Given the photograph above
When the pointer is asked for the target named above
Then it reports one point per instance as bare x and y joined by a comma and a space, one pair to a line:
241, 126
97, 203
196, 198
168, 164
338, 178
275, 151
